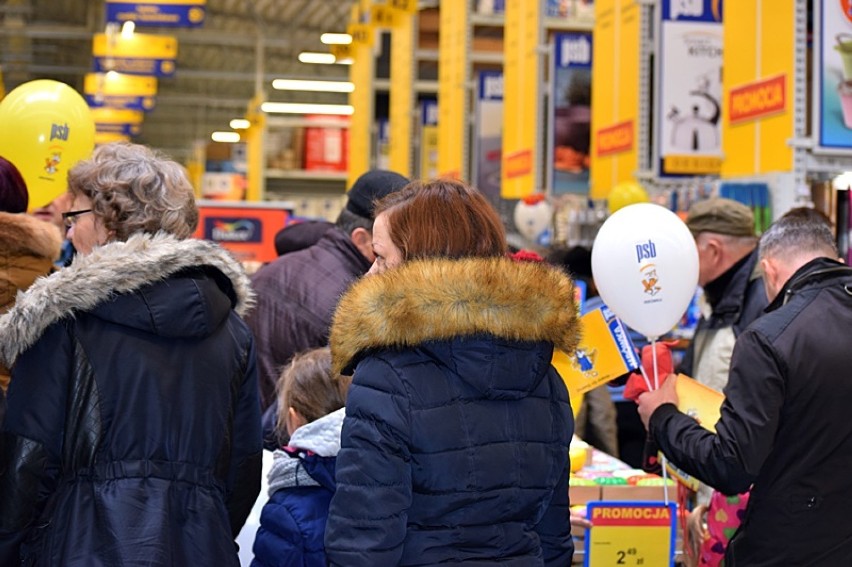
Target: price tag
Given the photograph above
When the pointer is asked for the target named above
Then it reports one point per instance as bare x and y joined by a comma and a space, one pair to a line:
630, 534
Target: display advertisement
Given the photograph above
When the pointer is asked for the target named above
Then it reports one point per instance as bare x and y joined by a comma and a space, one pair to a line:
690, 78
246, 229
833, 77
571, 113
488, 133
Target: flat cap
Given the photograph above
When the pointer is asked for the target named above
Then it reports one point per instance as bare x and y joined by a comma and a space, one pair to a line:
722, 216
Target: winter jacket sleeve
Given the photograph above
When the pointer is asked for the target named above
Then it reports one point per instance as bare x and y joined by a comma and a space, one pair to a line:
32, 437
730, 459
554, 529
279, 540
368, 516
246, 449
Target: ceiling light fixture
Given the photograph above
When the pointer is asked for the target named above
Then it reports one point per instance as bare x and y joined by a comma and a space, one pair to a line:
317, 86
298, 108
336, 38
127, 29
226, 137
315, 57
239, 124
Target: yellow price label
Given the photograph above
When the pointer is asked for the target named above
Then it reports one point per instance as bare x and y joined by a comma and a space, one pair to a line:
630, 534
361, 33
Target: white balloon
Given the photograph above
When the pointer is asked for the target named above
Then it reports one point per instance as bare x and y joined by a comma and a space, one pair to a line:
532, 220
645, 266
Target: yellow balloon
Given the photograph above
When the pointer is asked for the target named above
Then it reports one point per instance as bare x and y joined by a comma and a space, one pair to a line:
46, 128
626, 193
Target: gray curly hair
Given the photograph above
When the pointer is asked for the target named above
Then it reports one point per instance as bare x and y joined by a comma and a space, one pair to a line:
134, 189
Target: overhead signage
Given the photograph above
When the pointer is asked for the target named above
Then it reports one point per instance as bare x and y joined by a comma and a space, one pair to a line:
160, 13
138, 54
117, 121
117, 90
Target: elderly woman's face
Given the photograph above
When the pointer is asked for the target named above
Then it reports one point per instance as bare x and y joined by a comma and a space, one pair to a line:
85, 230
387, 254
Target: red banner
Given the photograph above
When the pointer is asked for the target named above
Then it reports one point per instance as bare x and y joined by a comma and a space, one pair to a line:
757, 100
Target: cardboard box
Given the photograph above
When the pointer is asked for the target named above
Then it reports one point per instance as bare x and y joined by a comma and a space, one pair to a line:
643, 493
583, 494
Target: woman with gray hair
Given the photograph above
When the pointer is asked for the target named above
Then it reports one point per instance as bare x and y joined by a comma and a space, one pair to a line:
132, 434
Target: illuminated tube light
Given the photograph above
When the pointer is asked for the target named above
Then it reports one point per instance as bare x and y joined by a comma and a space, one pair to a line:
336, 38
298, 108
226, 137
239, 124
317, 86
314, 57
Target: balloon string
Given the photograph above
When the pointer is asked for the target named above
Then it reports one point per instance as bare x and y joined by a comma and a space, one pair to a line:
654, 358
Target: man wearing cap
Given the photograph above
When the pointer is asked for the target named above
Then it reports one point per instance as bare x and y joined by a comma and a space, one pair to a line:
733, 289
298, 292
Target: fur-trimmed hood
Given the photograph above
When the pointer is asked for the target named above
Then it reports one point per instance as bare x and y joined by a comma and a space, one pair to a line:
113, 270
439, 299
24, 235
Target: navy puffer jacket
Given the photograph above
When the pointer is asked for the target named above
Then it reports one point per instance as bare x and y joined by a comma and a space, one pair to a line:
455, 443
132, 435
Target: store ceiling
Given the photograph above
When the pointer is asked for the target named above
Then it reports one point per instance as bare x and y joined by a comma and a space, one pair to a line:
218, 65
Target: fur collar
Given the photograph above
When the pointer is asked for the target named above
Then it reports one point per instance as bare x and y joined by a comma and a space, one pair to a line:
441, 299
115, 268
24, 235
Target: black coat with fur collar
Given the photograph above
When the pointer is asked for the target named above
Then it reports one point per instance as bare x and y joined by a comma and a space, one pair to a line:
133, 430
455, 442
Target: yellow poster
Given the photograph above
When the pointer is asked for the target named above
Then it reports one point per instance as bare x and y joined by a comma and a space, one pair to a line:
757, 87
452, 90
605, 353
521, 108
615, 95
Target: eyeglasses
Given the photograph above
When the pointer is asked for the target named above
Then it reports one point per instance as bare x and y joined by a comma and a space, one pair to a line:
71, 216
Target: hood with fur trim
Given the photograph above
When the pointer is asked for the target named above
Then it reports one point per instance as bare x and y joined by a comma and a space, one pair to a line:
100, 279
438, 299
28, 248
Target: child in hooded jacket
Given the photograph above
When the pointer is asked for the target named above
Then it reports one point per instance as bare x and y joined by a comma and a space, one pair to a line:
301, 481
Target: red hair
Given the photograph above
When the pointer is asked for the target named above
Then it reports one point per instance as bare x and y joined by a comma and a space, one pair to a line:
14, 197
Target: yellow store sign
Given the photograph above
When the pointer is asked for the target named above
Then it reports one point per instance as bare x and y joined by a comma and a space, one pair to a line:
757, 107
615, 98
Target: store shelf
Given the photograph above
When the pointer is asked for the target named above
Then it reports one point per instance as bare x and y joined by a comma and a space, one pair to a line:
305, 175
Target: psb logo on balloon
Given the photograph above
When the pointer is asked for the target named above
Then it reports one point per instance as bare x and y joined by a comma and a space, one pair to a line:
59, 132
646, 250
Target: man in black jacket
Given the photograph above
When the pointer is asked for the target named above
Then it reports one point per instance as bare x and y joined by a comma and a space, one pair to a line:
784, 427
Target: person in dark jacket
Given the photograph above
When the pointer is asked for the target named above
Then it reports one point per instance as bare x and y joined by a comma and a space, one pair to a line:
729, 275
301, 480
297, 292
455, 442
783, 428
132, 435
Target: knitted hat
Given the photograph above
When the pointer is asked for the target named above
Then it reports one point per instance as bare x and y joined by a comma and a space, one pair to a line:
371, 187
13, 189
722, 216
